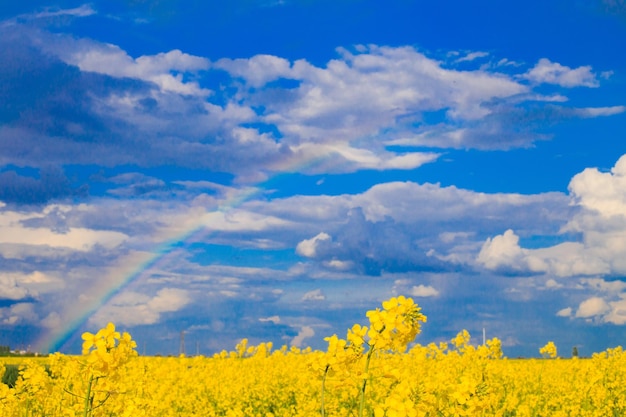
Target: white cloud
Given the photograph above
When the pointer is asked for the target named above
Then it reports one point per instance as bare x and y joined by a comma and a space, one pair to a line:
273, 319
339, 265
600, 310
19, 285
338, 118
241, 220
553, 284
617, 315
600, 111
314, 295
305, 332
599, 284
423, 291
20, 313
502, 250
600, 219
368, 91
165, 69
10, 289
565, 312
341, 157
80, 11
504, 62
565, 259
449, 237
399, 224
258, 70
472, 56
13, 232
308, 247
603, 193
79, 239
593, 306
131, 309
169, 299
549, 72
399, 201
52, 321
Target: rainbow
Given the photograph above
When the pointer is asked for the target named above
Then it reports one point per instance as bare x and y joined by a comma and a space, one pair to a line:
140, 265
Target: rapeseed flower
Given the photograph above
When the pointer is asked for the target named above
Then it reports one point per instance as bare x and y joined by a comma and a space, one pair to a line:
549, 350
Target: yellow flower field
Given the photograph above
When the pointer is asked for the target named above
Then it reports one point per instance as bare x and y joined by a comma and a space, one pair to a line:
369, 373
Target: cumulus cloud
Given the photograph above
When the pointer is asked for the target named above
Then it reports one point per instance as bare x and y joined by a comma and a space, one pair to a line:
333, 105
565, 312
546, 71
20, 313
617, 314
396, 226
165, 108
600, 309
592, 306
362, 93
501, 250
269, 114
602, 193
504, 253
305, 332
131, 309
601, 285
308, 247
11, 290
165, 69
147, 110
600, 221
339, 265
423, 291
553, 284
258, 70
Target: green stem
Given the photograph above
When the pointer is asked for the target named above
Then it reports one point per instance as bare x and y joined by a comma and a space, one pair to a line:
323, 411
365, 378
87, 408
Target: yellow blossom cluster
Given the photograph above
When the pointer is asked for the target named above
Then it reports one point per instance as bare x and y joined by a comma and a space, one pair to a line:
549, 350
375, 372
396, 325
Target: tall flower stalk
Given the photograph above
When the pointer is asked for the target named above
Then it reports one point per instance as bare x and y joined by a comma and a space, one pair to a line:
104, 355
391, 329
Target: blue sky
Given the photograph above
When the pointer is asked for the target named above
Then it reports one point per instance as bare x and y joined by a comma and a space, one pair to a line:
274, 169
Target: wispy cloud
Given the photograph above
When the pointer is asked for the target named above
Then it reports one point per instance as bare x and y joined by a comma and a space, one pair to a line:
55, 14
471, 56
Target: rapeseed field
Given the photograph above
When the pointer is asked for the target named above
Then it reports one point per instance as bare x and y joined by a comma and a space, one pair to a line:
370, 372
